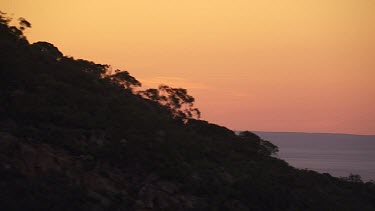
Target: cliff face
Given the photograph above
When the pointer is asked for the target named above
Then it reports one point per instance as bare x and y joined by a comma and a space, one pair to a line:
74, 138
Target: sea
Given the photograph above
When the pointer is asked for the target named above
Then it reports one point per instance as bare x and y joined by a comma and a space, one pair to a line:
337, 154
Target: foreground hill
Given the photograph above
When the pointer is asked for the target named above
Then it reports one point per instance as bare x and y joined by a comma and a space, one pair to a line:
75, 137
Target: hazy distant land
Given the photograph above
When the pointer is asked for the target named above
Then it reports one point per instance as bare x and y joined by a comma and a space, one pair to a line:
336, 154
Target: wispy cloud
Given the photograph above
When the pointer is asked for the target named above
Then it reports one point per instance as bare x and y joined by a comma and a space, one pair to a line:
176, 82
240, 94
179, 82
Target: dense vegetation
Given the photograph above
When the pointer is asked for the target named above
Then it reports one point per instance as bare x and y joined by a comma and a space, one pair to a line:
75, 136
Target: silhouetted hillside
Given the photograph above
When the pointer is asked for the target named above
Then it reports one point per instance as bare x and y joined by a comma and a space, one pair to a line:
74, 136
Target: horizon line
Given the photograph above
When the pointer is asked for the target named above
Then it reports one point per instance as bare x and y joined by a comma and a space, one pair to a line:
332, 133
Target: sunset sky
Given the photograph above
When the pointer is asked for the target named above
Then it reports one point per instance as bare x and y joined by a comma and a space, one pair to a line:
260, 65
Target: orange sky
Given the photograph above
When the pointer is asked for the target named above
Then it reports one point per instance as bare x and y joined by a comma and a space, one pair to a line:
264, 65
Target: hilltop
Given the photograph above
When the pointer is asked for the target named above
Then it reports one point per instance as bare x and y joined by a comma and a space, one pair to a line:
74, 136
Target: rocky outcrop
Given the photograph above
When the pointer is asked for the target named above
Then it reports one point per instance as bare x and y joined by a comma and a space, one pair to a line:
155, 194
104, 185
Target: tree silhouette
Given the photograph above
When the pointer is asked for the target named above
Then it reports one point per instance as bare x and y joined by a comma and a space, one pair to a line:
91, 67
13, 32
124, 79
355, 178
45, 50
177, 100
264, 147
23, 24
3, 19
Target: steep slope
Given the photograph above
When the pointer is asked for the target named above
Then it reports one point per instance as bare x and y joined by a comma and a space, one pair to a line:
71, 138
